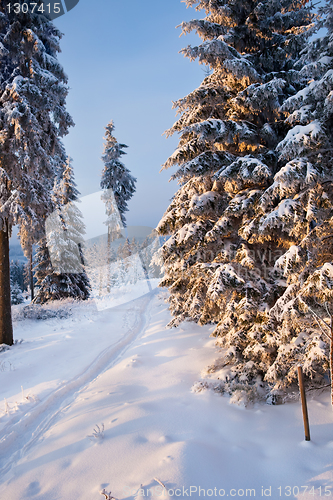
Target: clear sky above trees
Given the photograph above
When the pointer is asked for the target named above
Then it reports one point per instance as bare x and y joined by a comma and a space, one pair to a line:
122, 62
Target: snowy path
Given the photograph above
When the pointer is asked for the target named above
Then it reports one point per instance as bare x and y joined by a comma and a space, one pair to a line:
155, 427
24, 431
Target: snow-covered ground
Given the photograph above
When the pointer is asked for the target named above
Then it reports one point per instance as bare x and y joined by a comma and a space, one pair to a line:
121, 369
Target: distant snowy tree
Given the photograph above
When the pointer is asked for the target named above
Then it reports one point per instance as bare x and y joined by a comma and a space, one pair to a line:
17, 274
16, 282
125, 250
16, 294
115, 175
229, 128
119, 187
33, 89
65, 233
98, 267
42, 262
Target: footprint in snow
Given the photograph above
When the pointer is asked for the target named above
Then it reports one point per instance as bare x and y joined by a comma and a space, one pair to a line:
33, 489
165, 439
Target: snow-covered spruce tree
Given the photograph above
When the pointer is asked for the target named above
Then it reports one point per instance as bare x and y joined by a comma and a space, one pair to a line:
119, 187
16, 294
115, 175
33, 89
17, 274
16, 282
42, 263
59, 258
298, 209
125, 250
226, 159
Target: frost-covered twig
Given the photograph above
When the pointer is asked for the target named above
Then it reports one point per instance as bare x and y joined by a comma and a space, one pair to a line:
322, 331
160, 482
317, 317
329, 313
107, 495
23, 396
98, 433
28, 397
6, 407
318, 388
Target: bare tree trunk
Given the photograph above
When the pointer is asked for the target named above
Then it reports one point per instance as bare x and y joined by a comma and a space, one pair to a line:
331, 361
6, 327
108, 285
31, 278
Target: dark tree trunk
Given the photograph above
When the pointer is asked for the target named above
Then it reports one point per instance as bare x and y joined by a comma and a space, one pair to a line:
108, 287
331, 360
6, 328
31, 278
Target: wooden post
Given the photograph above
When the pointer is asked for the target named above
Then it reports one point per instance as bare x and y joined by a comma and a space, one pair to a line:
304, 407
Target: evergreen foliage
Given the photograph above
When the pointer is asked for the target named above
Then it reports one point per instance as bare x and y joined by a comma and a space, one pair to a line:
17, 282
16, 294
33, 118
298, 209
115, 175
229, 130
33, 89
59, 265
17, 274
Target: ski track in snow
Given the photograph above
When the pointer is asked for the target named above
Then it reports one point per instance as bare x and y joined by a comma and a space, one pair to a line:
156, 428
21, 435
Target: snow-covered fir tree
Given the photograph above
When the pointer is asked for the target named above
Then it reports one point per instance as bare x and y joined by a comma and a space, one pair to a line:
59, 258
17, 274
226, 158
17, 285
119, 186
42, 263
298, 210
125, 250
33, 90
16, 295
115, 175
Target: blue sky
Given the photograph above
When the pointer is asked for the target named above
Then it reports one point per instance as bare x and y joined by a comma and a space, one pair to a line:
122, 60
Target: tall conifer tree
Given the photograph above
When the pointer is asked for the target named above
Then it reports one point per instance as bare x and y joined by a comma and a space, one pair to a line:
229, 128
115, 175
298, 209
119, 186
60, 264
33, 89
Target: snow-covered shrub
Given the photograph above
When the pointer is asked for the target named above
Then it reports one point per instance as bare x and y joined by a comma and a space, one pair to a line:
42, 312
